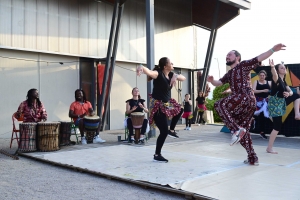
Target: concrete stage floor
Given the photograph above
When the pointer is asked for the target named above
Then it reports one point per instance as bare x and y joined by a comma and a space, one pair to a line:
201, 162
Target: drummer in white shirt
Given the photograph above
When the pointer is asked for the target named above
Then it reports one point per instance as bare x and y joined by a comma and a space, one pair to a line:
78, 110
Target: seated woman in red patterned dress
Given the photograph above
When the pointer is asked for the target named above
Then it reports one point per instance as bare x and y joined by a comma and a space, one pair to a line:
32, 108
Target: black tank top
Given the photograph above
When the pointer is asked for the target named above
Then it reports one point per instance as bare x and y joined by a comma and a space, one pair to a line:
200, 100
133, 103
262, 87
187, 106
161, 87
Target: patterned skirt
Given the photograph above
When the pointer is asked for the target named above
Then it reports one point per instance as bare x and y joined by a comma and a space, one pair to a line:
170, 108
201, 108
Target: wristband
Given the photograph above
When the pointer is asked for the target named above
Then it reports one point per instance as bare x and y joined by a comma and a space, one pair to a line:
272, 50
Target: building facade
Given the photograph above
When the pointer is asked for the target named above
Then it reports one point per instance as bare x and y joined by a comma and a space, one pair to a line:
43, 45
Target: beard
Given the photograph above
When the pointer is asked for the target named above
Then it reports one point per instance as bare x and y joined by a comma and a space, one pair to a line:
78, 98
229, 63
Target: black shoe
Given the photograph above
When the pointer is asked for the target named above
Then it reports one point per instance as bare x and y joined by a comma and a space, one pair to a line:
141, 141
263, 136
173, 134
159, 158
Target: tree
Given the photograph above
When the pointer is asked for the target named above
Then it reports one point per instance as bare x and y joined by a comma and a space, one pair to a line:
217, 95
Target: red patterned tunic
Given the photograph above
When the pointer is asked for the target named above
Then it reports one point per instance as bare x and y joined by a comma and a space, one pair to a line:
34, 113
237, 109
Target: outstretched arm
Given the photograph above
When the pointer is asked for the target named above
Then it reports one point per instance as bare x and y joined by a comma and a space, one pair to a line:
213, 81
268, 53
273, 71
141, 69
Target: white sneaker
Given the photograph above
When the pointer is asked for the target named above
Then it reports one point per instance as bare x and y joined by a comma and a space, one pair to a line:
186, 128
97, 139
189, 129
198, 124
235, 138
83, 140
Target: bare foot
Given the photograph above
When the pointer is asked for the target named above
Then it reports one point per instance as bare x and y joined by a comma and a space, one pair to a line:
297, 117
271, 151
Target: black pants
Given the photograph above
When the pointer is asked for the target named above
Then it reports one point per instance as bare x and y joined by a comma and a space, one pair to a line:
161, 122
188, 122
130, 127
200, 115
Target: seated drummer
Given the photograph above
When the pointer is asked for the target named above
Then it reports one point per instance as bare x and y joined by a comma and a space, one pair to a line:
32, 108
80, 108
136, 104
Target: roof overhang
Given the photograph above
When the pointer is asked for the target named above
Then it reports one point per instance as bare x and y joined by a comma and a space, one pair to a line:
242, 4
203, 12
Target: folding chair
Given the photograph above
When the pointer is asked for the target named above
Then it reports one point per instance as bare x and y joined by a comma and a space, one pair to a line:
15, 131
126, 129
74, 130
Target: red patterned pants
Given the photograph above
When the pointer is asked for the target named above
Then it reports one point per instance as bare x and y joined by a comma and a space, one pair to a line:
236, 111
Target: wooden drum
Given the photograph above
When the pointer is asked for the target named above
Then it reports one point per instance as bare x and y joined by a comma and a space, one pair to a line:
65, 133
27, 140
47, 135
137, 119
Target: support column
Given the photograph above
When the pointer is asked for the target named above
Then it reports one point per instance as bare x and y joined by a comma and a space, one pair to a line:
210, 48
113, 60
150, 49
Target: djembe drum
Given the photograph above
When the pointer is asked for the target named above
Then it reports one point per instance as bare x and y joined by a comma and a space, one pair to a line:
47, 136
137, 119
27, 140
65, 133
89, 135
91, 123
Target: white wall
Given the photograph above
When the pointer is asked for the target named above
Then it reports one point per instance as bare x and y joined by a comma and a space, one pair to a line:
56, 84
124, 81
81, 28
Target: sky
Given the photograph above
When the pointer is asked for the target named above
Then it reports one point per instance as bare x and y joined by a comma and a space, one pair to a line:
254, 31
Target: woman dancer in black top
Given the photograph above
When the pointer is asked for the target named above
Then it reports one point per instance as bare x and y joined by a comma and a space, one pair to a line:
187, 108
262, 89
201, 107
136, 104
280, 88
161, 105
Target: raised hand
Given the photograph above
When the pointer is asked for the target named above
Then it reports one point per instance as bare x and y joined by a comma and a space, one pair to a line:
279, 47
139, 70
271, 62
210, 79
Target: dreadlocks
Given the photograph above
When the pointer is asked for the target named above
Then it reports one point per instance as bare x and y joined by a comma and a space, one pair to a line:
29, 98
83, 94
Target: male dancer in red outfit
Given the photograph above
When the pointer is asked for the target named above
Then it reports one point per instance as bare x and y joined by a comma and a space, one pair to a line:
237, 109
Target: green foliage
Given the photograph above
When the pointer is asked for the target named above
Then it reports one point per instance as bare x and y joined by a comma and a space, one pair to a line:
217, 95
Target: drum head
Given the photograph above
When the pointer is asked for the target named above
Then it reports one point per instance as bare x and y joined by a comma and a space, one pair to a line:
137, 113
91, 117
